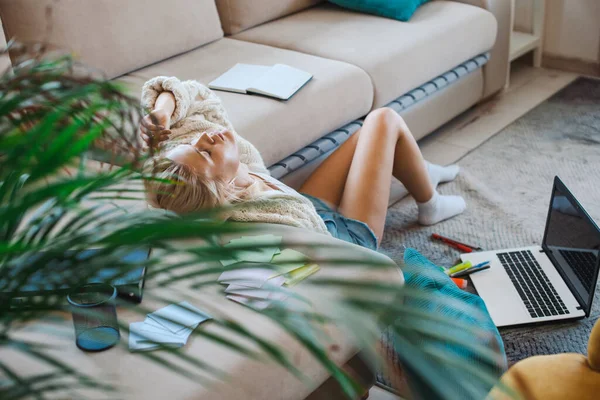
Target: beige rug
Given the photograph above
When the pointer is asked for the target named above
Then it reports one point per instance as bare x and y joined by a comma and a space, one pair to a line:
507, 184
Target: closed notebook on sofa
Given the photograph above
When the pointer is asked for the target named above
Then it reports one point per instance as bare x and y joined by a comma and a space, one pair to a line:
278, 81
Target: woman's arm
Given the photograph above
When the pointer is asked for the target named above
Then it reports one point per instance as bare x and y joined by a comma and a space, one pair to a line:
194, 100
154, 127
166, 103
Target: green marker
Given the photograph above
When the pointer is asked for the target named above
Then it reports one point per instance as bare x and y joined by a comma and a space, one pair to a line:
459, 267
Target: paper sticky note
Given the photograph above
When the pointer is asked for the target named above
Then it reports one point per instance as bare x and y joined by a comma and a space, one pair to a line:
261, 294
150, 325
298, 275
250, 277
258, 304
177, 317
136, 344
267, 247
229, 262
289, 260
148, 333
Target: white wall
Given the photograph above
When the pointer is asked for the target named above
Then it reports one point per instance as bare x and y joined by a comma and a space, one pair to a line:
572, 27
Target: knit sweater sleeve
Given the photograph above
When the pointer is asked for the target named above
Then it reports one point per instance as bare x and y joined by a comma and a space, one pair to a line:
192, 100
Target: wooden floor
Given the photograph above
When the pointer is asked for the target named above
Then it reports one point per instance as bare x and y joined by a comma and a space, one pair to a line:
529, 87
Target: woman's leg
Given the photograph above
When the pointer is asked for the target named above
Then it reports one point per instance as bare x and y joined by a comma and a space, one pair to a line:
384, 148
328, 180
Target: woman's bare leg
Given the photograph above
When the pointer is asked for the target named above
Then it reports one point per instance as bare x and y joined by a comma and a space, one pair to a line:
328, 180
384, 148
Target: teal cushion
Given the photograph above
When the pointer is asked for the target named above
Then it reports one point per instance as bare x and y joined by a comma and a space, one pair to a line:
465, 309
401, 10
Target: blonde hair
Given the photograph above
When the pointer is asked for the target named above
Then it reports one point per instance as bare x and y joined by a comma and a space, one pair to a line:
178, 188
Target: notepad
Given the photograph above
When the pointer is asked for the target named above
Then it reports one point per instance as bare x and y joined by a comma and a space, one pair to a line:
264, 248
169, 327
279, 81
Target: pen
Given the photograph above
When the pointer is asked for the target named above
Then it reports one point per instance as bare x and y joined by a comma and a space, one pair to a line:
469, 271
457, 245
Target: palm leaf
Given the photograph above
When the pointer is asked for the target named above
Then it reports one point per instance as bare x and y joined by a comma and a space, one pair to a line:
47, 216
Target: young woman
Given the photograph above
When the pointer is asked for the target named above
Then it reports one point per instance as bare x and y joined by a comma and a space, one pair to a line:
209, 164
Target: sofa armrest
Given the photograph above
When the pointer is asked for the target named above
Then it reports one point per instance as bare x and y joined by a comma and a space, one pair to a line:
496, 70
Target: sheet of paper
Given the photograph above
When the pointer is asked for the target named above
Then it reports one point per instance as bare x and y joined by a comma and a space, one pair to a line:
300, 274
177, 317
150, 325
258, 304
135, 343
250, 277
257, 293
289, 260
229, 262
268, 247
138, 343
148, 333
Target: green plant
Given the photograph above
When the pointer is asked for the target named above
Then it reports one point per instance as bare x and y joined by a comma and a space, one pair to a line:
52, 117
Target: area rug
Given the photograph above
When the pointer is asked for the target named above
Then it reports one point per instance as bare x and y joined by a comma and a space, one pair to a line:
507, 184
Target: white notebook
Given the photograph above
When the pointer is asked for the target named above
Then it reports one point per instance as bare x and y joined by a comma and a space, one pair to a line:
279, 81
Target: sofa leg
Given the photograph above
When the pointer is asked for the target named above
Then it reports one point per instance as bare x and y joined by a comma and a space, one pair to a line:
365, 396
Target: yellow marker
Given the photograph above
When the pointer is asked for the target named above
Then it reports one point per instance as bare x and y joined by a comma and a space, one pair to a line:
459, 267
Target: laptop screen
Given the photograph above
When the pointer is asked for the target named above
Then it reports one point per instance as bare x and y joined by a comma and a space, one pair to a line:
572, 242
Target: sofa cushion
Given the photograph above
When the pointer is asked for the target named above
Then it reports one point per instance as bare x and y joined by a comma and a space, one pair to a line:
115, 36
337, 94
399, 56
238, 15
401, 10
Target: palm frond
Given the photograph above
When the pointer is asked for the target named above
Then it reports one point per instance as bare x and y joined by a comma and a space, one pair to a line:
53, 210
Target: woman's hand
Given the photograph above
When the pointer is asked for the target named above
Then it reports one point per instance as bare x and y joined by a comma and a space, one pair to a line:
154, 127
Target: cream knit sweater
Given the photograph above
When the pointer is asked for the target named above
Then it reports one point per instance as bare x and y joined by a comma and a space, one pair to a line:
197, 110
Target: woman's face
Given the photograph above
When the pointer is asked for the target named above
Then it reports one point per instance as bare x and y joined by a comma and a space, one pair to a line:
212, 154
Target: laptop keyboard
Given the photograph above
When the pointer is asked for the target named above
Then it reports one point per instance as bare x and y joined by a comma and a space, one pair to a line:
583, 263
536, 291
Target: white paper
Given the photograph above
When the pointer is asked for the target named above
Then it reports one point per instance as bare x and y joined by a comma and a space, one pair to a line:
150, 325
135, 343
260, 294
250, 277
143, 337
258, 304
148, 333
177, 317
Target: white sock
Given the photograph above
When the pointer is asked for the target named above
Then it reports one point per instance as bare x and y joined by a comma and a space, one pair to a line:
437, 174
440, 208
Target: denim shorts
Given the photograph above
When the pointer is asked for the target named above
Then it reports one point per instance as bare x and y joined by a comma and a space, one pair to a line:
346, 229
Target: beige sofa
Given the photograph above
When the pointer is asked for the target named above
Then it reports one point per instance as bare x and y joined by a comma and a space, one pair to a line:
451, 55
359, 62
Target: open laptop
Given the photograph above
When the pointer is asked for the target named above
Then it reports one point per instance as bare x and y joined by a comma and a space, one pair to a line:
556, 281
